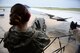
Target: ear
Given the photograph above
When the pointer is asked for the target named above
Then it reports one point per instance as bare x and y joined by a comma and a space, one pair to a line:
76, 24
72, 25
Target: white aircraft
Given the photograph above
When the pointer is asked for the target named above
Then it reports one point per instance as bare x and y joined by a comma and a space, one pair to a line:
46, 12
57, 15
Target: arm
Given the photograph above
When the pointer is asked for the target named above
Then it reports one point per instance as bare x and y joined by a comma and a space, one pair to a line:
76, 33
43, 39
5, 38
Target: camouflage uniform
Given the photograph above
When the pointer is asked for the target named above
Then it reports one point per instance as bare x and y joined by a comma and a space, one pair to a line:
31, 41
76, 34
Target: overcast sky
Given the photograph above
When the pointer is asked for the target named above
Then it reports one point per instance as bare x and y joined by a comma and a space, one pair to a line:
43, 3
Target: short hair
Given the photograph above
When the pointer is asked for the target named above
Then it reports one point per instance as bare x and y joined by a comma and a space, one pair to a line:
20, 13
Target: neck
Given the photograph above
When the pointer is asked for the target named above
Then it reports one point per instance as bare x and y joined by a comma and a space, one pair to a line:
22, 27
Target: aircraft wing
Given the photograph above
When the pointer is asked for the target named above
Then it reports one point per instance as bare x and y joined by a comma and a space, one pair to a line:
42, 11
52, 15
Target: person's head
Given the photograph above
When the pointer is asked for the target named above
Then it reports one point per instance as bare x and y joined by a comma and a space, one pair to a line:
73, 25
19, 14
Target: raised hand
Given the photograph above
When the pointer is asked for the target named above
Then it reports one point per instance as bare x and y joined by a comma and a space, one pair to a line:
38, 27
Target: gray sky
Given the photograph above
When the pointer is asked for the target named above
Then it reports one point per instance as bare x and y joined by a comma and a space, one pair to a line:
44, 3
